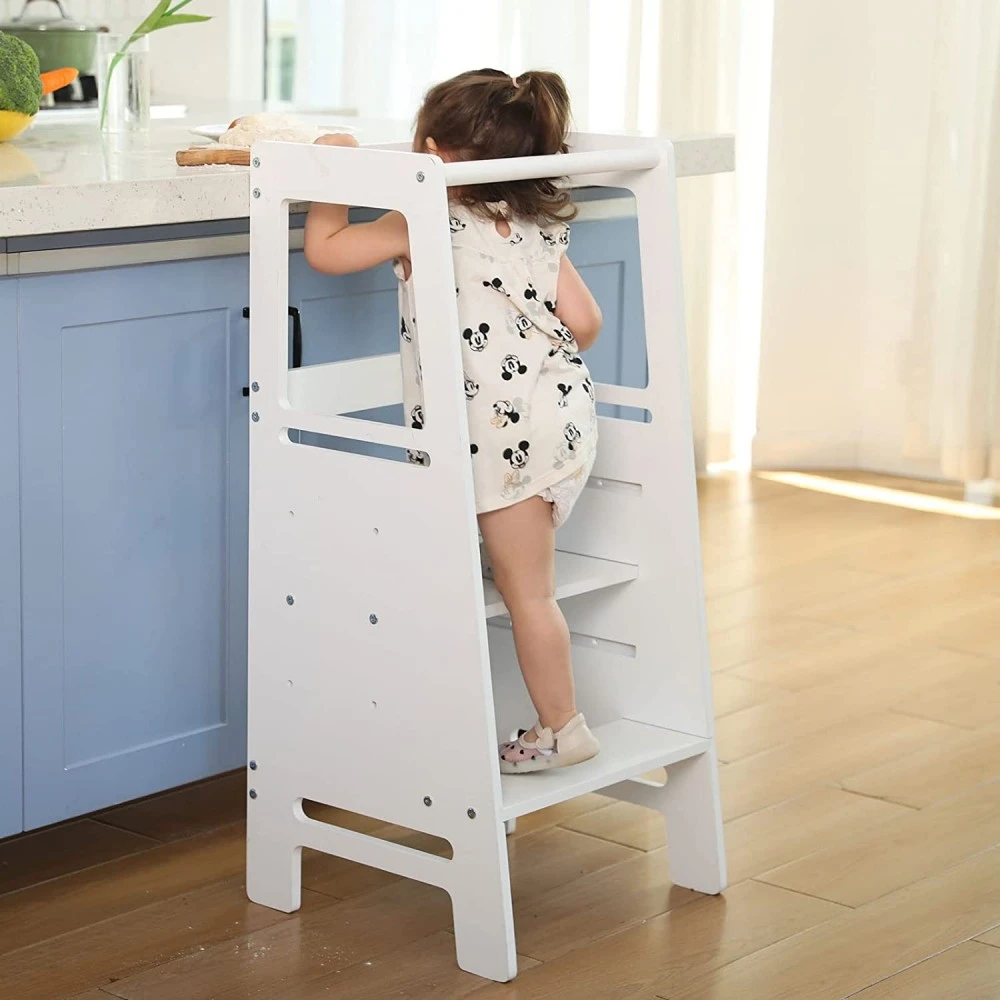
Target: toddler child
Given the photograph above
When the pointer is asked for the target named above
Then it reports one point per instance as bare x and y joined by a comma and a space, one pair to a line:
524, 316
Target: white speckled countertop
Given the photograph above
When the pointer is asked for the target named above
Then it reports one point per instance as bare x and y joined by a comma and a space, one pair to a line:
67, 177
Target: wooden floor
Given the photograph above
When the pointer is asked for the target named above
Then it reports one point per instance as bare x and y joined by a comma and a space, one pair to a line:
857, 656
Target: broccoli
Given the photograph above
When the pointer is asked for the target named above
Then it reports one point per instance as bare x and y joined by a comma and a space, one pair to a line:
20, 85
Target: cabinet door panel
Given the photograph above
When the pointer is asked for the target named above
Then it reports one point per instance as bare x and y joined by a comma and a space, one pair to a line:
606, 253
133, 448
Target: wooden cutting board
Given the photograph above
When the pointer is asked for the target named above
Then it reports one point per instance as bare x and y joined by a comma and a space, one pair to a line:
201, 156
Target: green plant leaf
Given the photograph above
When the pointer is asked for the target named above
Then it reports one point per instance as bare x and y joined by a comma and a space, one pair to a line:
154, 15
178, 6
115, 60
168, 20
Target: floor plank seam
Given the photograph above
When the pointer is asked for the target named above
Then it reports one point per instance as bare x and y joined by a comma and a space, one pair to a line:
948, 866
714, 970
840, 787
595, 836
159, 842
988, 930
875, 798
115, 916
339, 899
637, 851
151, 849
734, 671
901, 971
965, 652
819, 623
871, 714
927, 718
626, 925
10, 893
183, 952
844, 907
947, 725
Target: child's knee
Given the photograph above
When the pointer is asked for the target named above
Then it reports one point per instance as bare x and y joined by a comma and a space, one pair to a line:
527, 601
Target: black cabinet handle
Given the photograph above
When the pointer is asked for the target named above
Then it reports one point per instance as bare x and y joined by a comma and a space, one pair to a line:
296, 336
296, 318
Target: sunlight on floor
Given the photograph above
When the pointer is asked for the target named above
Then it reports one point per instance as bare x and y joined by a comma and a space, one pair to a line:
884, 495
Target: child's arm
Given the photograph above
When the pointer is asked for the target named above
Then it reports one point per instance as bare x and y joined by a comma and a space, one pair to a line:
333, 246
576, 307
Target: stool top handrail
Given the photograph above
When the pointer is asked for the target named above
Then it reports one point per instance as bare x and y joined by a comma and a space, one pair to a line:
521, 168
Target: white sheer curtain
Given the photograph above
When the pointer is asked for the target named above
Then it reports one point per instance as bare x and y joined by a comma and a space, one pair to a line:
668, 66
953, 370
379, 56
698, 74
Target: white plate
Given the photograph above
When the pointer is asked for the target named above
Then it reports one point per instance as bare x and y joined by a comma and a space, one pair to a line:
215, 132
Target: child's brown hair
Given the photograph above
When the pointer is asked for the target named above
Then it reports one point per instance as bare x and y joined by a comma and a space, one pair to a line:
485, 114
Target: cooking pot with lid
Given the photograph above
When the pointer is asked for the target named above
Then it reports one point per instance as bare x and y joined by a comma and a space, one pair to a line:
58, 41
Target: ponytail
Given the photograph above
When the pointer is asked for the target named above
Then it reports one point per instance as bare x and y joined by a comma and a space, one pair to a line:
546, 93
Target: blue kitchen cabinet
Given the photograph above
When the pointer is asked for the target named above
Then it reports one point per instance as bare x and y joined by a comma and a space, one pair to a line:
133, 443
10, 570
344, 317
606, 253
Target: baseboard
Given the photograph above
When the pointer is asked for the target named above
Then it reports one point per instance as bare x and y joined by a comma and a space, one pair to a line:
986, 491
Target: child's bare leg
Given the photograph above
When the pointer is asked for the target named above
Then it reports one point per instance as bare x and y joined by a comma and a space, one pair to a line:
520, 541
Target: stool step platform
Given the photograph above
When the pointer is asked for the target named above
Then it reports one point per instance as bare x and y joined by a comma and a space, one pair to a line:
628, 750
575, 575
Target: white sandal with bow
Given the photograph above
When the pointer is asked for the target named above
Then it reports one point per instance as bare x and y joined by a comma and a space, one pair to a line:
573, 744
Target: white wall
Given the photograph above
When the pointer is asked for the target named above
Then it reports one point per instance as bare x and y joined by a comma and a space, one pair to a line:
847, 161
214, 62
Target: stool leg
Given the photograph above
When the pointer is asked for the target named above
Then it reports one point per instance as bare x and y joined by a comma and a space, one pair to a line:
484, 916
691, 808
693, 812
274, 868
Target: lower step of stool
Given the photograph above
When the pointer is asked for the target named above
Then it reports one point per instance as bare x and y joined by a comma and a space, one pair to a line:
628, 750
575, 575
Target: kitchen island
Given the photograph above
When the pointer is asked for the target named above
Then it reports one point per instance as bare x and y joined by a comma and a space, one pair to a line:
124, 438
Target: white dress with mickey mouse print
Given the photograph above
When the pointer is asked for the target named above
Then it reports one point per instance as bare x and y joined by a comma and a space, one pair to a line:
532, 420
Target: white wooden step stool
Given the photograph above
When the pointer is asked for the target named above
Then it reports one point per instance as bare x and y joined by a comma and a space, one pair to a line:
369, 616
